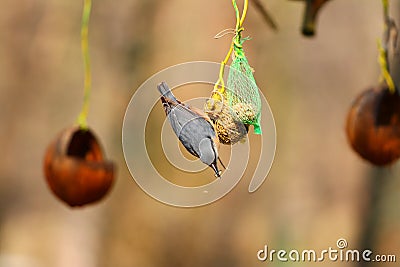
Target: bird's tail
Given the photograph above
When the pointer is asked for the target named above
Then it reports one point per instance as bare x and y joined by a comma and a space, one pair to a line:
166, 91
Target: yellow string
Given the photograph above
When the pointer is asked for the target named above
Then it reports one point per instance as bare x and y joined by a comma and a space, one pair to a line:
244, 13
384, 68
82, 118
382, 59
219, 87
237, 13
385, 4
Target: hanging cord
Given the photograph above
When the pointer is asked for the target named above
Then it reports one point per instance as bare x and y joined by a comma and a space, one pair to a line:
82, 118
385, 75
219, 87
383, 48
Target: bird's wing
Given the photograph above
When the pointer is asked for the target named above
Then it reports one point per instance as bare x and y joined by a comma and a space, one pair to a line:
193, 132
177, 111
190, 127
189, 124
200, 113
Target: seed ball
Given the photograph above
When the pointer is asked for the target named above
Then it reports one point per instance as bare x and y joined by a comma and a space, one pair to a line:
75, 168
245, 112
229, 128
373, 126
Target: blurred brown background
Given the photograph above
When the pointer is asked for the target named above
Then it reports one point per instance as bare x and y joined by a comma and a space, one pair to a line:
317, 191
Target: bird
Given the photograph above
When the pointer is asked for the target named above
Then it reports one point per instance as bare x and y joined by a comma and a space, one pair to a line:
193, 128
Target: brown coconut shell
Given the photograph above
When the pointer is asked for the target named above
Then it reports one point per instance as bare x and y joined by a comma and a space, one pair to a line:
75, 168
373, 125
310, 16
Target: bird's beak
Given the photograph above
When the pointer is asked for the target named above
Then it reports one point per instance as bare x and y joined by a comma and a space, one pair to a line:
215, 168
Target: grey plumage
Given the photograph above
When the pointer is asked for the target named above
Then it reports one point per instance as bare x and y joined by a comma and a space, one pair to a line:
194, 129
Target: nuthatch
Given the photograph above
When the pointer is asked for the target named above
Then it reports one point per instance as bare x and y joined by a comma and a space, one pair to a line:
193, 128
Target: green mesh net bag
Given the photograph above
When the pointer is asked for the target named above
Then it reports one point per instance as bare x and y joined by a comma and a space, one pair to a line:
242, 91
234, 107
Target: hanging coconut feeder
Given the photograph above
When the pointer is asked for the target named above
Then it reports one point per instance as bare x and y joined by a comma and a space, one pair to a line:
373, 125
75, 168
